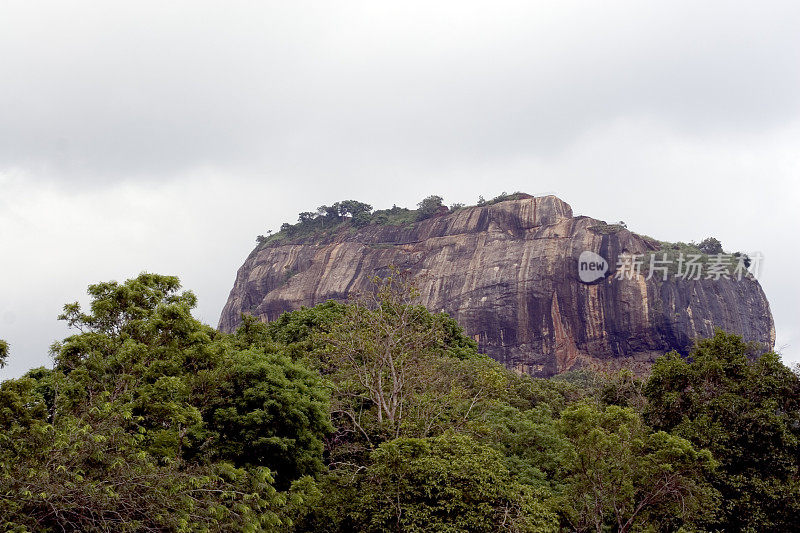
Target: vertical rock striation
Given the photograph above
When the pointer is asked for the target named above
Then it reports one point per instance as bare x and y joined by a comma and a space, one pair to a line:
508, 273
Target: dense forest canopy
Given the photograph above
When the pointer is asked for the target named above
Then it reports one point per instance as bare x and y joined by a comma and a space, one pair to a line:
378, 415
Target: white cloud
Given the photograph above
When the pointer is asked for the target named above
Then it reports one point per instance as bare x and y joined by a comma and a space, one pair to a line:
164, 137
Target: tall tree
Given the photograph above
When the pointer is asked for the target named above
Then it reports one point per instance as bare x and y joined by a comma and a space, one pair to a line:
137, 425
710, 246
618, 474
269, 411
745, 409
353, 208
397, 369
429, 207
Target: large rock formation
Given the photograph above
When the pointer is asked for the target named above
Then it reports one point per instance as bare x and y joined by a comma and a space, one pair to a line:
508, 273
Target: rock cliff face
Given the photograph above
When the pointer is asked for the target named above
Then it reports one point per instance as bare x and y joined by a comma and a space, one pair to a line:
509, 274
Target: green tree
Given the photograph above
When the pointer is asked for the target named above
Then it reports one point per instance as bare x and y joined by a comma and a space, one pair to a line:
329, 211
618, 474
305, 217
429, 207
3, 353
194, 389
622, 388
269, 411
298, 333
446, 483
397, 369
87, 471
530, 441
710, 246
746, 410
743, 257
354, 208
377, 345
362, 219
135, 426
140, 346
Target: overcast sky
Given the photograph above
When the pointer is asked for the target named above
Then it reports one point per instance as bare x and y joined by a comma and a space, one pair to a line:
164, 136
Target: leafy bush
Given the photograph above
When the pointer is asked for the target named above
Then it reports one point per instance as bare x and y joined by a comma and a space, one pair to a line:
710, 246
503, 197
606, 229
429, 207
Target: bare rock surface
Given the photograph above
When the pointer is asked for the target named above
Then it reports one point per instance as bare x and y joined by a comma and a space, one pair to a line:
508, 273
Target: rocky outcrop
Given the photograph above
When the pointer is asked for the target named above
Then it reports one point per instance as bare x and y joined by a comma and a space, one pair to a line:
509, 274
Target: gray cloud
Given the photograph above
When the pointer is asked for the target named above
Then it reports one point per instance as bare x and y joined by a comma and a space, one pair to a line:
164, 137
100, 92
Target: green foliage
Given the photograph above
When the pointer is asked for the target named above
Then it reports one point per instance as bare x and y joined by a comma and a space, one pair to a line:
396, 216
676, 255
529, 440
737, 256
429, 207
604, 469
135, 426
746, 410
329, 219
353, 208
269, 411
622, 388
446, 483
503, 197
619, 475
378, 415
710, 246
3, 353
606, 229
88, 473
361, 219
301, 332
298, 331
22, 405
140, 347
326, 220
366, 342
398, 370
557, 392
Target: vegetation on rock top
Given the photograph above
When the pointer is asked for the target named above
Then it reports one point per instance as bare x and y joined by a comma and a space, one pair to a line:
350, 214
328, 219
